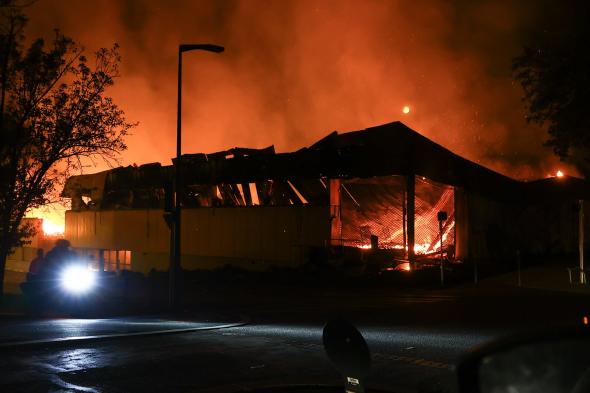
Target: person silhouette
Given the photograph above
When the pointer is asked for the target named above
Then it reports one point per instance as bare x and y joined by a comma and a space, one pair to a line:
37, 264
59, 256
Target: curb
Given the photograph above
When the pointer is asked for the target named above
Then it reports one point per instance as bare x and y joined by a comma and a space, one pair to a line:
106, 337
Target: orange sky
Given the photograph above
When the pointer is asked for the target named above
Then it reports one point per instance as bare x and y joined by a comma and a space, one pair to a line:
295, 70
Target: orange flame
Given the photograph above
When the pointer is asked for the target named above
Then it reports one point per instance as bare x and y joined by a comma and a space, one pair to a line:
52, 228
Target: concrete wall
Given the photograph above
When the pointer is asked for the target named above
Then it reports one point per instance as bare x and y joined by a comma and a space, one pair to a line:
248, 237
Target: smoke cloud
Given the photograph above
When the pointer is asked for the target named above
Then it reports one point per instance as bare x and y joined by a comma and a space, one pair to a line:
295, 70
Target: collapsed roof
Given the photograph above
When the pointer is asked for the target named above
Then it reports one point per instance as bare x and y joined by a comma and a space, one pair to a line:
389, 149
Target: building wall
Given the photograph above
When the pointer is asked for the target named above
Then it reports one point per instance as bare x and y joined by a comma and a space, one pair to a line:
552, 228
17, 263
21, 257
492, 228
461, 225
248, 237
17, 266
495, 231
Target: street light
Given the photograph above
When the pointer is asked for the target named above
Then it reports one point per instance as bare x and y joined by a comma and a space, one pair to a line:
175, 257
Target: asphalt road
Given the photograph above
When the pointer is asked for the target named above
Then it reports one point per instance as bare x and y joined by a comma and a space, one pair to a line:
414, 340
18, 333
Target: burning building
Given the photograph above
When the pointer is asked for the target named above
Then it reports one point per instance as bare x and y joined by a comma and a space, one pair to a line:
380, 187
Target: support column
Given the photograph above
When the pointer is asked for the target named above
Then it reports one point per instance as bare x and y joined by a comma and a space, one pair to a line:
411, 213
335, 219
404, 220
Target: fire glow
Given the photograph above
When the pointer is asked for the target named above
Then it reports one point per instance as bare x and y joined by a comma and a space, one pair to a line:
385, 220
51, 228
419, 248
405, 266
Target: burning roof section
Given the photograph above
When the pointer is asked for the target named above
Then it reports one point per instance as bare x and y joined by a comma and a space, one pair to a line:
244, 177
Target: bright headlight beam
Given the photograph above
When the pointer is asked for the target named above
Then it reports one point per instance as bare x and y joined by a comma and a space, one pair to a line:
77, 279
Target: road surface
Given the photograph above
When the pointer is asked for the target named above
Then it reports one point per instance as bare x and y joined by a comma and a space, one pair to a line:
414, 340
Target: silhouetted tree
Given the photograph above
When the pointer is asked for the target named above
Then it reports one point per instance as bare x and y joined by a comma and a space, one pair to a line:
53, 114
553, 70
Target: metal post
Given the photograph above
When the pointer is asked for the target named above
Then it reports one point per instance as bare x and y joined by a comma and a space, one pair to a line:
441, 216
442, 270
581, 242
335, 188
175, 260
411, 211
404, 219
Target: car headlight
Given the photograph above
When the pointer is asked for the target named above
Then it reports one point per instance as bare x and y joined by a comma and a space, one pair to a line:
77, 279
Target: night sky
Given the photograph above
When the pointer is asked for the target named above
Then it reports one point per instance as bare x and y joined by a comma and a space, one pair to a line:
295, 70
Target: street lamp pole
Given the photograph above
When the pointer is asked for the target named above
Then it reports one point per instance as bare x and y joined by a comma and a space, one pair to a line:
174, 267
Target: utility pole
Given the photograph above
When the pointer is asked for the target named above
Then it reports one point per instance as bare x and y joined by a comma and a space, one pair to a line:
176, 215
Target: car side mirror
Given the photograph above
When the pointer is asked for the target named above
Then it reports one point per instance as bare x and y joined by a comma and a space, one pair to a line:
348, 351
556, 361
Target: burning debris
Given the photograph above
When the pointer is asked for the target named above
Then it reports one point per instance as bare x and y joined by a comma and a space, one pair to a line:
378, 207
